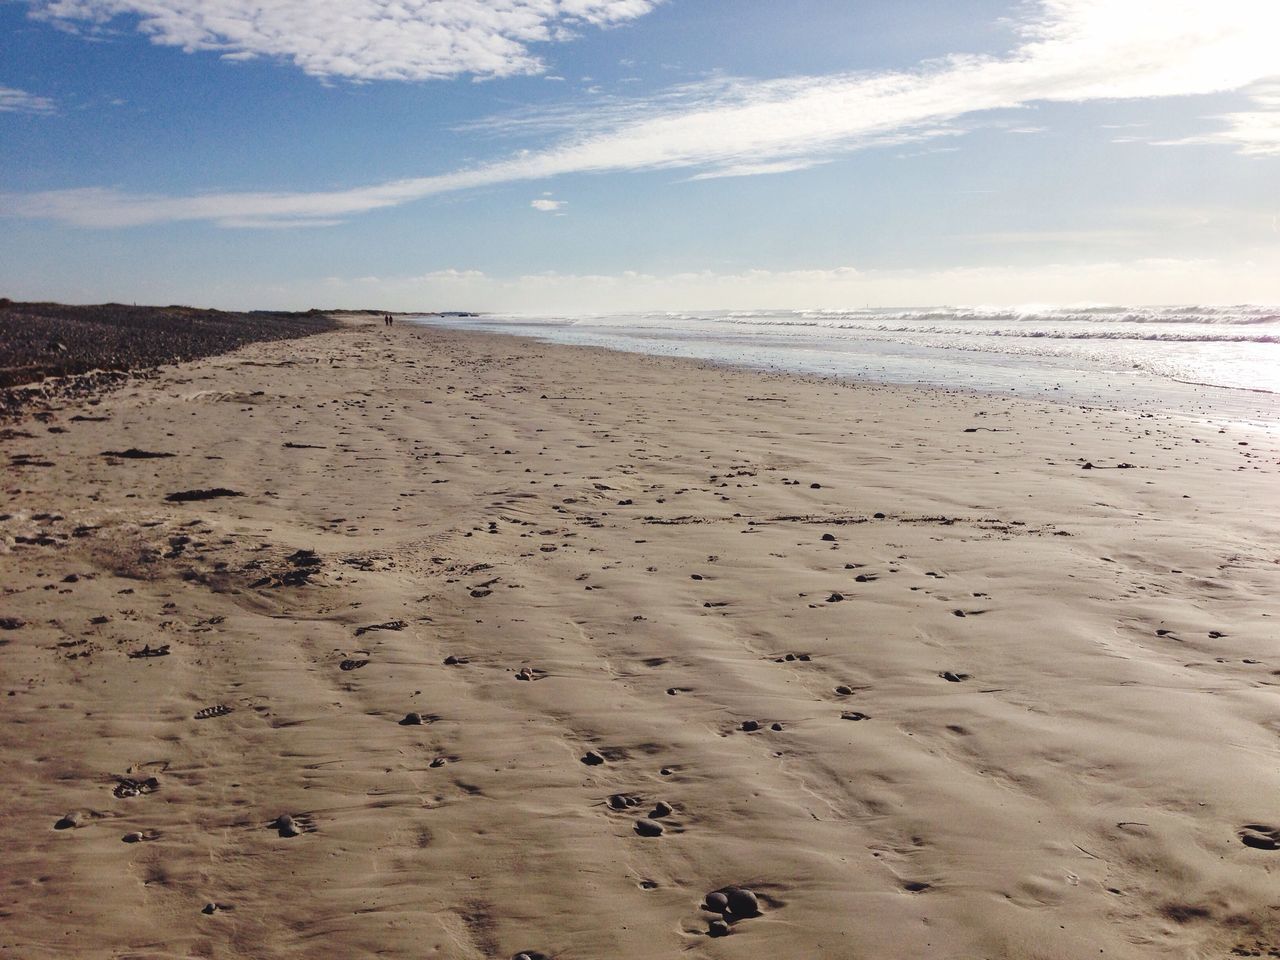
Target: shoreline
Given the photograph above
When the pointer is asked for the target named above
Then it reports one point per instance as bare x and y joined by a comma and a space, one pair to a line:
1023, 708
1162, 394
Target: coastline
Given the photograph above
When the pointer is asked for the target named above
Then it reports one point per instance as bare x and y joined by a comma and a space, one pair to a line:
873, 355
1062, 674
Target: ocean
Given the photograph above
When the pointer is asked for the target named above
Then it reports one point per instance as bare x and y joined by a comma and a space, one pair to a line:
1207, 362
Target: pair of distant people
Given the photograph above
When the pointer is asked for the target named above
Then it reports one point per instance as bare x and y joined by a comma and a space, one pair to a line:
386, 320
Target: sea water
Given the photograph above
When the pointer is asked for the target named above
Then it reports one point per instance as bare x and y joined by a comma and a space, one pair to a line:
1211, 362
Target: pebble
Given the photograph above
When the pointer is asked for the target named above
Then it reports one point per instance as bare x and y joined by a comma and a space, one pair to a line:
133, 837
70, 821
287, 826
718, 928
411, 720
648, 828
717, 902
750, 726
592, 759
661, 809
742, 903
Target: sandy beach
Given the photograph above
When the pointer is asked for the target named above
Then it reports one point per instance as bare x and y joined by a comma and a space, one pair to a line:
416, 643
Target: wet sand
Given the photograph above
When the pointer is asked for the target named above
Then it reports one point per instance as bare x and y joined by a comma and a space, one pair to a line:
414, 643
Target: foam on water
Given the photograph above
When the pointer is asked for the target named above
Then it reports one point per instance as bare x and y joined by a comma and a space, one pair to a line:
1204, 361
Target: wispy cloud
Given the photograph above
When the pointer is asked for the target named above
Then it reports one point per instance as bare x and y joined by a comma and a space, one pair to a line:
1071, 51
357, 39
1254, 133
19, 101
547, 205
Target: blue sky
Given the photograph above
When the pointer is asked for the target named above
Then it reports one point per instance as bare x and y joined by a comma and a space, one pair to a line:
599, 155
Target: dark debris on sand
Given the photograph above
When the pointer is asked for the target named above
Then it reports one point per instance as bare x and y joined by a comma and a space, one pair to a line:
50, 350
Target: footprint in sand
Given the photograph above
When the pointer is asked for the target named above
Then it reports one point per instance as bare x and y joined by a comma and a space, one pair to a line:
1260, 836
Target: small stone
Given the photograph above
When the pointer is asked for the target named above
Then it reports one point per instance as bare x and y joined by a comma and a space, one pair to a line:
133, 837
829, 537
592, 759
878, 516
776, 727
451, 661
750, 726
844, 691
835, 598
411, 720
661, 809
718, 928
70, 821
648, 828
209, 909
618, 802
742, 903
717, 902
287, 826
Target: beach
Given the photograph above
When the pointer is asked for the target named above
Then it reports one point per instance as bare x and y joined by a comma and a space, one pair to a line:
417, 642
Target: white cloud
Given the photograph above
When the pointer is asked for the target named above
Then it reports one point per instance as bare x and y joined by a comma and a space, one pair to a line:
19, 101
547, 205
1254, 133
1073, 51
358, 39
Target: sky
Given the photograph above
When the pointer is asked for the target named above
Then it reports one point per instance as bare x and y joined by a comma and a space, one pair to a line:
578, 156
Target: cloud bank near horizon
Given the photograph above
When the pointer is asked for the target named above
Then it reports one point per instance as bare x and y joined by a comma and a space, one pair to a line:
1070, 51
1251, 279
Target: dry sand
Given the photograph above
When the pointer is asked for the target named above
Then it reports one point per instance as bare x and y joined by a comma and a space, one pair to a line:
1067, 677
